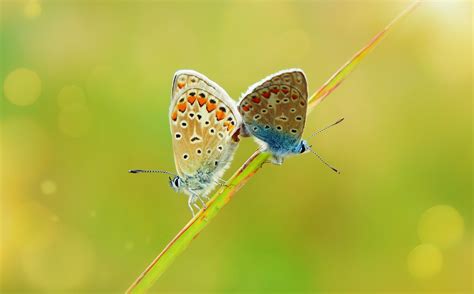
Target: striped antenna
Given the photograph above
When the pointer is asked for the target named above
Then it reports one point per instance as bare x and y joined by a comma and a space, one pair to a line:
325, 128
324, 161
139, 171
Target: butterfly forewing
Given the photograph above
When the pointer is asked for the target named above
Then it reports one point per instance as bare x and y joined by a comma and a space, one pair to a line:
203, 121
276, 104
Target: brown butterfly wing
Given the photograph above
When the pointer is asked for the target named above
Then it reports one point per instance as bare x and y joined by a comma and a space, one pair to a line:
278, 101
203, 121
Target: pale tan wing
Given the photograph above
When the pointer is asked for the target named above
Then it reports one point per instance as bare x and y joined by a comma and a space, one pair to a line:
278, 101
203, 120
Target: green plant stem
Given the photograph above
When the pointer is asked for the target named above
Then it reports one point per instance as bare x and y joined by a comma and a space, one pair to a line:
192, 229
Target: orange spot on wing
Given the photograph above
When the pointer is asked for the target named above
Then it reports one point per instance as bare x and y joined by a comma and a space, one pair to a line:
210, 107
230, 128
256, 99
174, 115
245, 108
220, 115
191, 99
266, 94
285, 90
181, 85
275, 90
201, 101
182, 107
294, 96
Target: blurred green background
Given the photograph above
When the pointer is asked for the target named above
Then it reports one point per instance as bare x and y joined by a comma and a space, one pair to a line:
85, 93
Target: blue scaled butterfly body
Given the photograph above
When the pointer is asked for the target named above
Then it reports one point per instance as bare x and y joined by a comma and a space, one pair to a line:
274, 112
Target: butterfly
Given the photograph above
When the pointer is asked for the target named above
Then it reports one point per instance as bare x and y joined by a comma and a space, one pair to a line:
205, 125
274, 112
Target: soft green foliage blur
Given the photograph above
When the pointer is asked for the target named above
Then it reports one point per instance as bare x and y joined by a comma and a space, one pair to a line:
85, 95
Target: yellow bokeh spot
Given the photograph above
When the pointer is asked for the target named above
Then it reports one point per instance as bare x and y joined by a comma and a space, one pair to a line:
32, 9
71, 96
425, 261
22, 87
48, 187
74, 121
441, 225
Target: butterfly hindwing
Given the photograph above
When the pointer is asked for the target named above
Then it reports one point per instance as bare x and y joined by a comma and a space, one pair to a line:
203, 120
274, 109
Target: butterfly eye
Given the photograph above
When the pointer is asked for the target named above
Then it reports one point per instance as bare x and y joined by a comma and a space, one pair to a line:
176, 182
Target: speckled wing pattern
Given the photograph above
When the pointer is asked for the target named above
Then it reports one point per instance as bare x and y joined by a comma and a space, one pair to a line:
204, 121
274, 109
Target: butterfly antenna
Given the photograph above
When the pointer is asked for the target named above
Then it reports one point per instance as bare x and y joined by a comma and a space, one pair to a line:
139, 171
324, 161
325, 128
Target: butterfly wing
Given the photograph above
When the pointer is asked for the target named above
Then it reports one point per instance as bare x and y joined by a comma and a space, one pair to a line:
274, 109
204, 121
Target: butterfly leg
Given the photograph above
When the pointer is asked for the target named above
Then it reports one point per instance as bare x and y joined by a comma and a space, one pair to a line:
204, 206
221, 182
190, 205
278, 160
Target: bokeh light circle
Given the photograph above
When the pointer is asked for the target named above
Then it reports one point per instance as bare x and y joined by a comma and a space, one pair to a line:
441, 225
425, 261
48, 187
32, 9
22, 87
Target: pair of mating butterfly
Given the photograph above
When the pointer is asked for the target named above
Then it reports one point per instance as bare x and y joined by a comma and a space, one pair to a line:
206, 124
